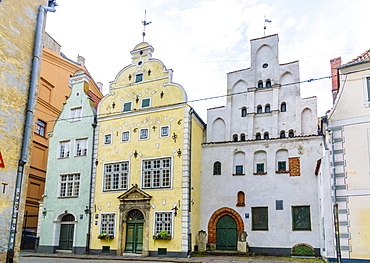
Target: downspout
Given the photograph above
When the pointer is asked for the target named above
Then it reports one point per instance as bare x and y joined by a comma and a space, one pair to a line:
90, 191
35, 74
190, 200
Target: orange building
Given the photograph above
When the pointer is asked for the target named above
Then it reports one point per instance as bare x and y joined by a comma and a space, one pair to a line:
54, 88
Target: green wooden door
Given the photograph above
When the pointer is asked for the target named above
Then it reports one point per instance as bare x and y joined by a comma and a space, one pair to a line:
66, 236
134, 232
134, 238
226, 234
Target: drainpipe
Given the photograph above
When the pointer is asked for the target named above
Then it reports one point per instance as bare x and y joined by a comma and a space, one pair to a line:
190, 201
35, 73
90, 193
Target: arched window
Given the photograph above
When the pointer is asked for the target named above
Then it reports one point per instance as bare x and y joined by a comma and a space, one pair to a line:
242, 137
282, 134
268, 83
260, 84
244, 111
259, 109
260, 163
235, 137
241, 199
266, 135
283, 107
239, 158
217, 168
267, 108
258, 136
291, 133
68, 217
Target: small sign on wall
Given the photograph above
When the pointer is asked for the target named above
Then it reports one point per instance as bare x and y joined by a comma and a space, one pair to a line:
246, 215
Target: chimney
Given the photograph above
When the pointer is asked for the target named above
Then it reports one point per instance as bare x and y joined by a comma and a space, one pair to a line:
335, 62
81, 60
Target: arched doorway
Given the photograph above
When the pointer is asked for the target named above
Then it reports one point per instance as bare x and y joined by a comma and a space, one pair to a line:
66, 232
226, 233
134, 233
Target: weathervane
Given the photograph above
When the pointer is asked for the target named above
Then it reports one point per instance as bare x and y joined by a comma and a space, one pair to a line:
145, 24
264, 25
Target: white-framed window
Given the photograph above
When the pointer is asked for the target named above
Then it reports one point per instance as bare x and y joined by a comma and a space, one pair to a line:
144, 134
366, 89
125, 136
64, 149
145, 102
75, 114
127, 106
115, 176
69, 185
81, 147
107, 139
163, 222
139, 77
156, 173
107, 223
40, 128
165, 131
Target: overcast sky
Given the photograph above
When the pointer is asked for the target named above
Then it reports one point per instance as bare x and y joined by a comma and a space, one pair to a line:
201, 41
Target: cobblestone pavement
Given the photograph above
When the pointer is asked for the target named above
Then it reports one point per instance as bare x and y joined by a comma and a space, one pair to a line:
58, 258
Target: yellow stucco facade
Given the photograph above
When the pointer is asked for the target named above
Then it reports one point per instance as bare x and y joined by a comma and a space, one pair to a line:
148, 159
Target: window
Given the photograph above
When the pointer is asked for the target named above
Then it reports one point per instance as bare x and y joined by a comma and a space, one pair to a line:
75, 114
217, 168
157, 173
115, 176
368, 88
107, 138
241, 199
139, 78
127, 106
258, 136
242, 137
235, 137
165, 131
81, 147
40, 128
144, 134
282, 134
283, 107
260, 218
266, 135
163, 222
239, 169
69, 185
260, 84
301, 218
64, 148
107, 224
126, 136
268, 83
145, 103
260, 168
291, 133
259, 109
267, 108
282, 166
244, 111
279, 205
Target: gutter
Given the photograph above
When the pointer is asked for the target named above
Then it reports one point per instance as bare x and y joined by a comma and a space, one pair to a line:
35, 74
190, 200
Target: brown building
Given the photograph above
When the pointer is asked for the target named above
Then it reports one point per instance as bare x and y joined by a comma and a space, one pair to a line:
54, 89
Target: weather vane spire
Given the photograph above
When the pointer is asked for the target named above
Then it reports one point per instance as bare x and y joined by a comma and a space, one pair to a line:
145, 23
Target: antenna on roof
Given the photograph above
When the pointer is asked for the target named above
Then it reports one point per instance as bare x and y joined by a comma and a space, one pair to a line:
264, 25
145, 24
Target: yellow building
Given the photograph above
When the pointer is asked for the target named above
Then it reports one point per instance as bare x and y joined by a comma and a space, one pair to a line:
148, 156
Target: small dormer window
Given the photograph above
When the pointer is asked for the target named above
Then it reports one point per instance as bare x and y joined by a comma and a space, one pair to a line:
267, 108
268, 83
259, 109
260, 84
139, 78
258, 136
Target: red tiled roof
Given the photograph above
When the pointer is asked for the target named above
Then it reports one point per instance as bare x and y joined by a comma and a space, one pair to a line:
362, 57
94, 98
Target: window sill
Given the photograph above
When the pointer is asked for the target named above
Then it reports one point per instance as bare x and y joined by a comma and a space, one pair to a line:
80, 155
238, 174
282, 172
260, 173
240, 204
63, 157
64, 197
